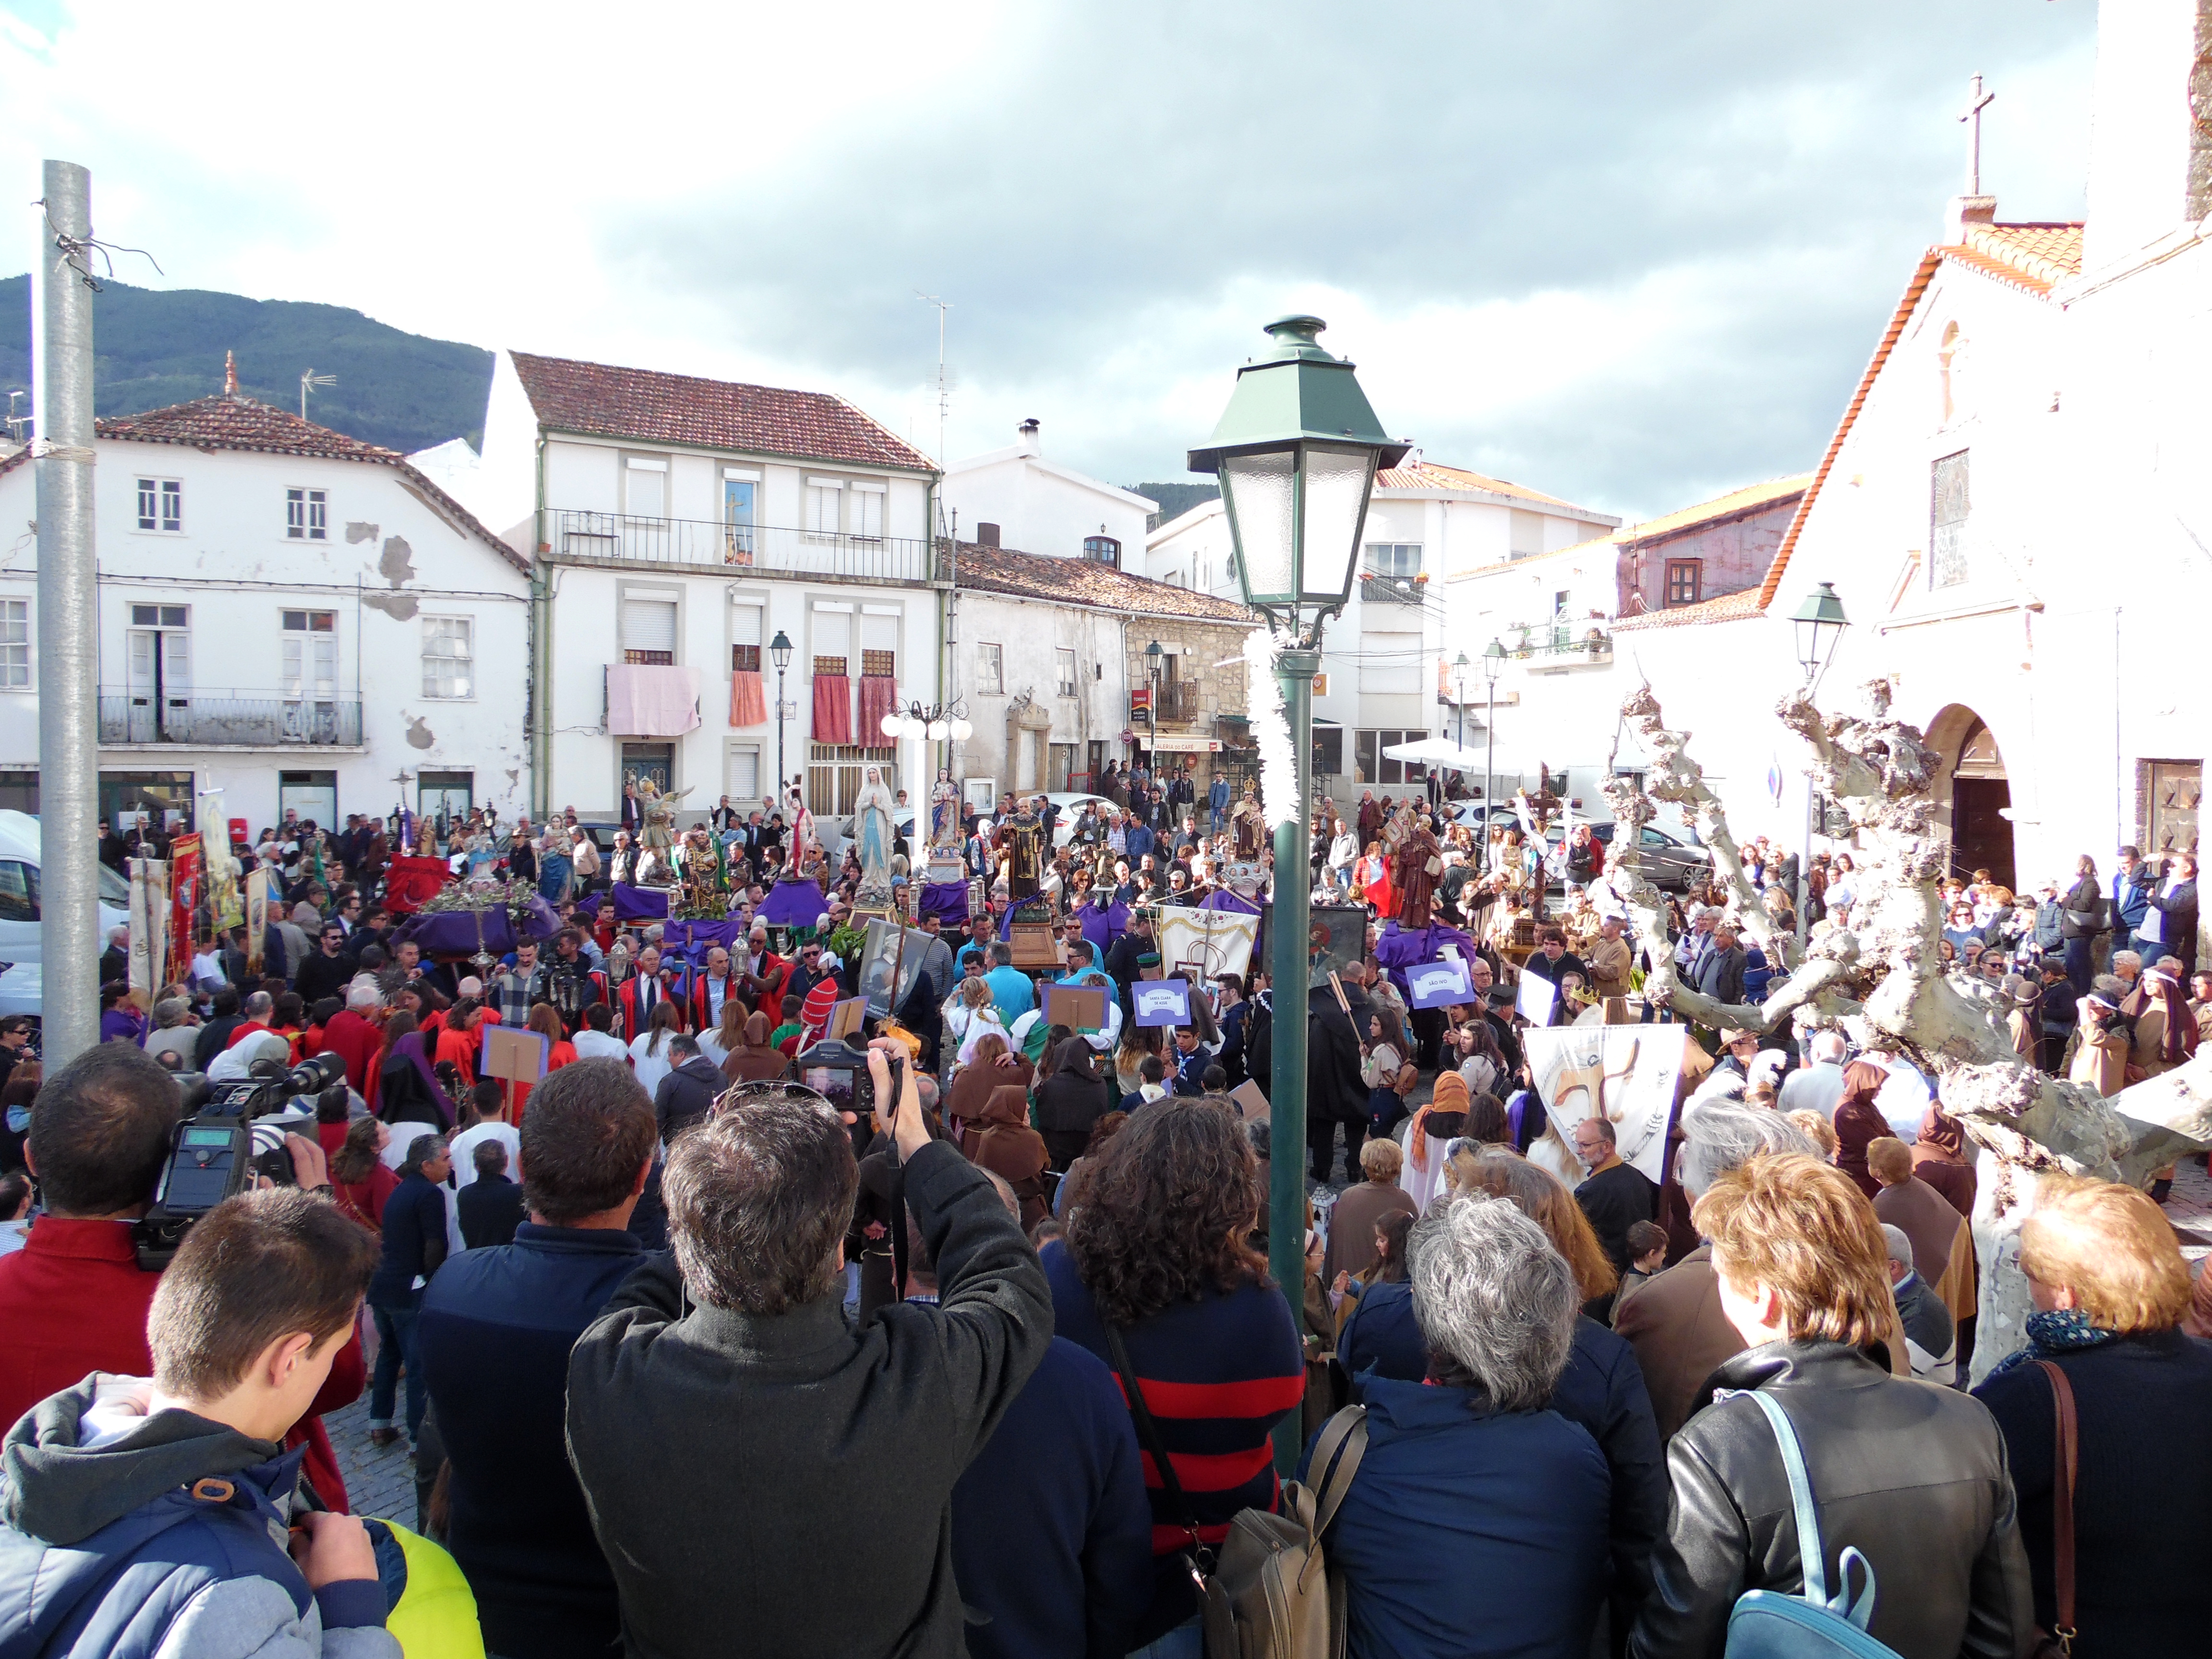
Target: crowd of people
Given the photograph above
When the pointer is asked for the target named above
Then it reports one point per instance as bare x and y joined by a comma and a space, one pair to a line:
987, 1359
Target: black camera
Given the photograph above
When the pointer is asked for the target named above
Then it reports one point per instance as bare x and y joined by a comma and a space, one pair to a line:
229, 1135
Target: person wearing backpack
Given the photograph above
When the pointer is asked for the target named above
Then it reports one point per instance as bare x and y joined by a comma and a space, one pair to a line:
1907, 1479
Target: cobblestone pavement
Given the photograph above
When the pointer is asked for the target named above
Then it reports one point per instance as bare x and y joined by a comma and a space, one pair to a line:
379, 1481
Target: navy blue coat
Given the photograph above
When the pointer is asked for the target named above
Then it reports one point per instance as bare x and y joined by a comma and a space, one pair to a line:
496, 1326
1469, 1531
1052, 1532
1380, 1336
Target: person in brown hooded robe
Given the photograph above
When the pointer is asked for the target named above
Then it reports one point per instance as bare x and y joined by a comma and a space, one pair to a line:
1001, 1141
1939, 1158
993, 1067
755, 1061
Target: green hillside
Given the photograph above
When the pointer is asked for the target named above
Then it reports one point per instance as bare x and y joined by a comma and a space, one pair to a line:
1175, 499
158, 348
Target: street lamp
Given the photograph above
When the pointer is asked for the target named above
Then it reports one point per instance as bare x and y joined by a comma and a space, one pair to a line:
779, 653
1152, 655
1297, 452
1458, 687
1819, 622
1494, 661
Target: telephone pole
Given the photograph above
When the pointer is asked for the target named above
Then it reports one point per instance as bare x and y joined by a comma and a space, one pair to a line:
69, 620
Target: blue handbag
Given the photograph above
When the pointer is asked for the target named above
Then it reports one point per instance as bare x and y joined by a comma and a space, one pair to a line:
1775, 1625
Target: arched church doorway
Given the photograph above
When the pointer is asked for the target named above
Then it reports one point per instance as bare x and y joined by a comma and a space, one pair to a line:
1973, 794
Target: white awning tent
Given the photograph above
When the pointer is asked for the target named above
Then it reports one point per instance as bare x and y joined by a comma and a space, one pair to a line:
1436, 752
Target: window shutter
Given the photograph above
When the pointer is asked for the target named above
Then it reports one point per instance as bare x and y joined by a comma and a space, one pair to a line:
878, 639
745, 624
648, 624
741, 775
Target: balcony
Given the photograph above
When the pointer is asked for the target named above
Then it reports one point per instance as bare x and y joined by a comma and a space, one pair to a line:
229, 720
1390, 590
711, 544
1562, 646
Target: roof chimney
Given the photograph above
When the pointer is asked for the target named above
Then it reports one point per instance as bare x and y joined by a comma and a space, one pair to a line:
1025, 436
230, 374
986, 534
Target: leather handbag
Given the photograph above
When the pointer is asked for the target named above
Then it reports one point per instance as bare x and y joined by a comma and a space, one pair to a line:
2066, 1454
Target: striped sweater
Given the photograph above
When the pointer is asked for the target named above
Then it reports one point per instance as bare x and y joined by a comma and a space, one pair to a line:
1216, 1375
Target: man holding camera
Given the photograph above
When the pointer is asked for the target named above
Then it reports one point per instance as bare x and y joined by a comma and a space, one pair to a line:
74, 1299
736, 1352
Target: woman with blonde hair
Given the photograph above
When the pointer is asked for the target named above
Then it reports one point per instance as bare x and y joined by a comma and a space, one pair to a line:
981, 1020
1912, 1476
2111, 1292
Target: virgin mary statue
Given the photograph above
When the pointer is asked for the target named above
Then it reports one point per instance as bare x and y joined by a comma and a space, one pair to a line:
871, 838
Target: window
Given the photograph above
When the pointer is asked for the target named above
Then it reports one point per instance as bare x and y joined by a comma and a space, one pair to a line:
1067, 673
648, 488
1947, 518
741, 774
158, 673
641, 761
1328, 751
990, 670
1401, 559
448, 657
1375, 767
161, 615
745, 639
310, 673
14, 645
1102, 550
879, 642
19, 789
308, 515
162, 505
19, 891
867, 511
452, 793
825, 502
648, 630
1684, 579
1061, 762
740, 490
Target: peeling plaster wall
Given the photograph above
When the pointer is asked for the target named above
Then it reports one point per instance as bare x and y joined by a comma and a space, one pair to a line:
388, 563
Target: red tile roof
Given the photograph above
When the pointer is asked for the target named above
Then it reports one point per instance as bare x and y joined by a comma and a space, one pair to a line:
1428, 474
245, 423
651, 407
1729, 607
1080, 582
2031, 258
1751, 498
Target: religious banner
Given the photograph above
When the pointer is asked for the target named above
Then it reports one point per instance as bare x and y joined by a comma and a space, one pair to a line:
185, 874
1215, 942
891, 962
257, 919
149, 926
1625, 1074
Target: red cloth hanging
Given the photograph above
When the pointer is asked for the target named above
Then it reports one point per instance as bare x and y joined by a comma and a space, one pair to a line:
748, 704
833, 709
878, 697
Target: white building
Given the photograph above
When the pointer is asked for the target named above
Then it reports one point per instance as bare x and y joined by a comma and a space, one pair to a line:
1385, 675
292, 616
681, 526
2015, 509
1016, 498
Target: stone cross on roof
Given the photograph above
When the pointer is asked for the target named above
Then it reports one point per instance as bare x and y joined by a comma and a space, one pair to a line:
1977, 101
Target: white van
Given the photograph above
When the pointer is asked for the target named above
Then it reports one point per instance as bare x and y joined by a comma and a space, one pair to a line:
19, 893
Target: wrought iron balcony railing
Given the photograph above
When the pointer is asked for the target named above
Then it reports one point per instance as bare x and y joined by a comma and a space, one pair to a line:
710, 543
1389, 590
205, 719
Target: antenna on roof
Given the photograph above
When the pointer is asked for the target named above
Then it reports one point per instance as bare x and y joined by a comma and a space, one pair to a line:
230, 374
943, 306
309, 379
16, 423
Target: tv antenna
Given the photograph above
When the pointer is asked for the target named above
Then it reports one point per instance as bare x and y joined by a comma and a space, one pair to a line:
16, 422
943, 306
309, 380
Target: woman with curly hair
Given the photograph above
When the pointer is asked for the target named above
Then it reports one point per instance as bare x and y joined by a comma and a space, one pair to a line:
1156, 1248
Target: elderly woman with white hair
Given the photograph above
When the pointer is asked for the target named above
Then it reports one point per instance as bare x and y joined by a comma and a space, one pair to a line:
1476, 1523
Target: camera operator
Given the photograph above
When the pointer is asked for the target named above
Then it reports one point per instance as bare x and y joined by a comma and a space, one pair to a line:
74, 1300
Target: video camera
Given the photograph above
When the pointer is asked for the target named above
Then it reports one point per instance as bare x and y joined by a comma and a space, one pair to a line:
232, 1133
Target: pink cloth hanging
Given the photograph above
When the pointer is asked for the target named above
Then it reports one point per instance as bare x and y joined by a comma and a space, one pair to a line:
651, 700
833, 709
748, 705
878, 697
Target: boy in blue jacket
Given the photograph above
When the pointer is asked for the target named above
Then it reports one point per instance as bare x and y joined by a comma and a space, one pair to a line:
155, 1515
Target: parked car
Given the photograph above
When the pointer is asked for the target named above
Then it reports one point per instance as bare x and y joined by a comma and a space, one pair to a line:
1670, 862
19, 894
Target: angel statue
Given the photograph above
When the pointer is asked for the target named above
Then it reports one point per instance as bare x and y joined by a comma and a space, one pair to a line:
872, 839
658, 809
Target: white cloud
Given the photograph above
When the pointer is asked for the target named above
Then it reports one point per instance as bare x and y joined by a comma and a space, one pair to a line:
1624, 253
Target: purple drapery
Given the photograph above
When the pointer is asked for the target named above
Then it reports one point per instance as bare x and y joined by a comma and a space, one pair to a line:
945, 900
793, 904
640, 903
1398, 950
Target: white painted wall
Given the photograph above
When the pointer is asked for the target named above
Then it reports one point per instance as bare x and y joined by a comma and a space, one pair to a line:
1043, 507
389, 562
1030, 634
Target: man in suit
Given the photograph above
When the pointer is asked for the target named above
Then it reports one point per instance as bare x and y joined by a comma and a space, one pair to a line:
641, 993
1719, 973
115, 960
490, 1206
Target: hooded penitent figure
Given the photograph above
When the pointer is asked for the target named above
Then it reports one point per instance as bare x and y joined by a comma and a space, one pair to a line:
755, 1060
1070, 1101
1001, 1141
407, 1090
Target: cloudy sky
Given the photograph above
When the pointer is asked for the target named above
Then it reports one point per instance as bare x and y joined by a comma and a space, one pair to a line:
1629, 251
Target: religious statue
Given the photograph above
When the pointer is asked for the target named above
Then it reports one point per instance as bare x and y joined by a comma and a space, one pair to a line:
1248, 823
225, 898
1020, 834
705, 882
657, 868
945, 814
872, 839
1418, 862
801, 820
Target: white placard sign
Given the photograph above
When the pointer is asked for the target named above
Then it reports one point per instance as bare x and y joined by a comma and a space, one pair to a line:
1625, 1074
1533, 1001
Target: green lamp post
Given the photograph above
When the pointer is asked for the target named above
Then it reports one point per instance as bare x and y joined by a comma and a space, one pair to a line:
1297, 452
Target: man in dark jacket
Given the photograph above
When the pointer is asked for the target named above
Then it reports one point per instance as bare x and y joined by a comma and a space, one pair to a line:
1334, 1091
743, 1363
688, 1093
490, 1207
520, 1531
1719, 972
1124, 957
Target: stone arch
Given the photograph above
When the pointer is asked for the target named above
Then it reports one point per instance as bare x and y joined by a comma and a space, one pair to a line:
1973, 793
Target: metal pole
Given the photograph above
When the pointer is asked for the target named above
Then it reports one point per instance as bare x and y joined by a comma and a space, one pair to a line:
69, 627
779, 753
1288, 964
1489, 771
